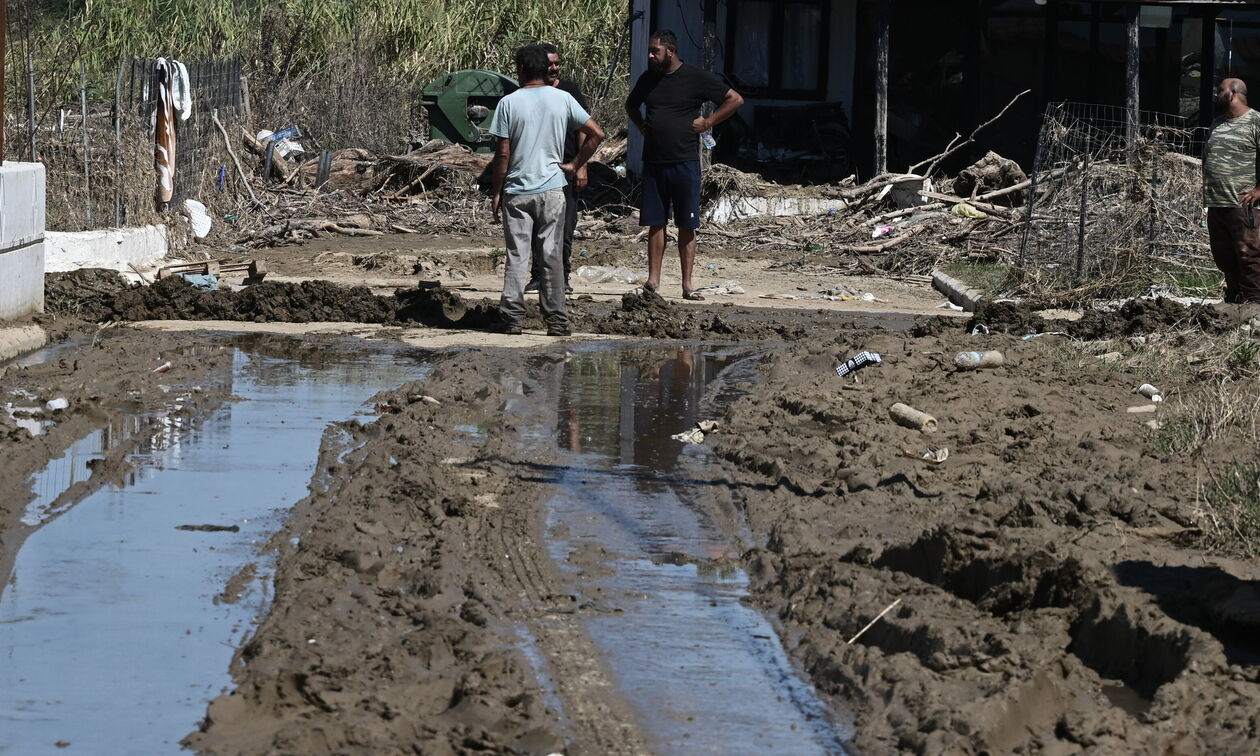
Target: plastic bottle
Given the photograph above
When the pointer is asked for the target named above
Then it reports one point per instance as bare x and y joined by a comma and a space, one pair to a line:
707, 139
976, 360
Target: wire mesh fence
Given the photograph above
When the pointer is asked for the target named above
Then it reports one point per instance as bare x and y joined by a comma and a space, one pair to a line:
98, 155
1113, 205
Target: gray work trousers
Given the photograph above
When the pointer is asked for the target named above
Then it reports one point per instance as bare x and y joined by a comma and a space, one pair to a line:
533, 228
570, 226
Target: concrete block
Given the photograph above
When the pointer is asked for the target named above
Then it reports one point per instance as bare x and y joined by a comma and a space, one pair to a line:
21, 239
21, 203
112, 248
19, 340
956, 291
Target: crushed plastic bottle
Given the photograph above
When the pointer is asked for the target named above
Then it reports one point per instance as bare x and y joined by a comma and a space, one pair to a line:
976, 360
707, 139
593, 274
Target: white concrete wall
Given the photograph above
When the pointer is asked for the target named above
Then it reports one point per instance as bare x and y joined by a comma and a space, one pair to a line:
113, 248
21, 239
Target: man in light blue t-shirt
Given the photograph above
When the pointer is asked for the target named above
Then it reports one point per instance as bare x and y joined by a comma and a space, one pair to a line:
529, 179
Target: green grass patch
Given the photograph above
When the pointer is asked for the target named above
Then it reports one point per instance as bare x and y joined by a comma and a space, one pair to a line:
1230, 508
988, 278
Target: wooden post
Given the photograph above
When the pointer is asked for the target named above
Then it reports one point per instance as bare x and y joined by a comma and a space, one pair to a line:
882, 15
1131, 75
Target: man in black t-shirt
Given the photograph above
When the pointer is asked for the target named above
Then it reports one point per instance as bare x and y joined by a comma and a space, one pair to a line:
572, 143
673, 92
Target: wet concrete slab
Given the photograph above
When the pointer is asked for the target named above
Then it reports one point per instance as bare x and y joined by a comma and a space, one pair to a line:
704, 672
116, 625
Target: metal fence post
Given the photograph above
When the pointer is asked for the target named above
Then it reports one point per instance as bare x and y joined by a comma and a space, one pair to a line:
1080, 231
83, 126
118, 158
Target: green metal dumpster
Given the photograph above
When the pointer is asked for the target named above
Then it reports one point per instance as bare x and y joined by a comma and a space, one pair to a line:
461, 105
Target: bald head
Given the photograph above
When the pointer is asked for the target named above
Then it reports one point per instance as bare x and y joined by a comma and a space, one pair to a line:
1236, 86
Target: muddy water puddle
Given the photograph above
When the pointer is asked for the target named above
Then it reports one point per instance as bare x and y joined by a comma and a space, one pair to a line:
115, 624
704, 672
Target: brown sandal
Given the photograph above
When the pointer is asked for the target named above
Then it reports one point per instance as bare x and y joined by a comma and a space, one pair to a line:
693, 295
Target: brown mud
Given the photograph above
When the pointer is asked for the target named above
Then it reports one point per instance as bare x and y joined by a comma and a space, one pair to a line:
1041, 606
1045, 601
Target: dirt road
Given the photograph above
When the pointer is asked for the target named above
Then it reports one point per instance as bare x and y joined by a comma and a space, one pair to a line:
513, 554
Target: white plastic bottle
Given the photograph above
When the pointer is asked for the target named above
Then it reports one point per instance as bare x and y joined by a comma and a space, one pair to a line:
976, 360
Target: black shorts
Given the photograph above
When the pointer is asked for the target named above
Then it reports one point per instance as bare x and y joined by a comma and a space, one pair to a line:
671, 185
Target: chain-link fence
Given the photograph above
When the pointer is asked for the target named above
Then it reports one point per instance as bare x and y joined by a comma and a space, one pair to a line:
1108, 208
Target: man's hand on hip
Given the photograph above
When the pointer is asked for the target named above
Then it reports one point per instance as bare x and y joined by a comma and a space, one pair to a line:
1251, 197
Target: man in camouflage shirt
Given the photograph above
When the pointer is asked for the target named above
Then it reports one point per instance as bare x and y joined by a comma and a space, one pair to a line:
1231, 190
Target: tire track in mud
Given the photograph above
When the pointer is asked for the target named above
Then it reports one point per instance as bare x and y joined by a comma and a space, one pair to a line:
600, 719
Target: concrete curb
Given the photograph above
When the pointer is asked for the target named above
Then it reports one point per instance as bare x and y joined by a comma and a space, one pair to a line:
956, 291
18, 340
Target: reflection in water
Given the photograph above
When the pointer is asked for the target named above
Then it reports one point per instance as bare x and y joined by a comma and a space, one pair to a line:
624, 406
704, 673
113, 639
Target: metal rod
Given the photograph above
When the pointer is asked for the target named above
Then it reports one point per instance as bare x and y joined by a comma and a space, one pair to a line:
30, 85
1080, 231
882, 14
118, 159
4, 26
1133, 60
87, 160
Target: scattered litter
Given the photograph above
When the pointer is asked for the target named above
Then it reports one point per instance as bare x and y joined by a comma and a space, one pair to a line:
1031, 336
1150, 392
1142, 409
163, 367
887, 609
383, 408
693, 436
910, 417
59, 403
964, 210
933, 456
980, 330
977, 360
594, 274
779, 296
730, 287
948, 305
430, 400
202, 281
857, 361
197, 217
1154, 425
211, 528
880, 231
696, 434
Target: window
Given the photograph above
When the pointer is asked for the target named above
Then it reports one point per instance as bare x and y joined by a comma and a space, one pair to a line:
779, 49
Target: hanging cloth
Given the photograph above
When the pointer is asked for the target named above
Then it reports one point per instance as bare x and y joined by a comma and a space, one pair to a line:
164, 133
